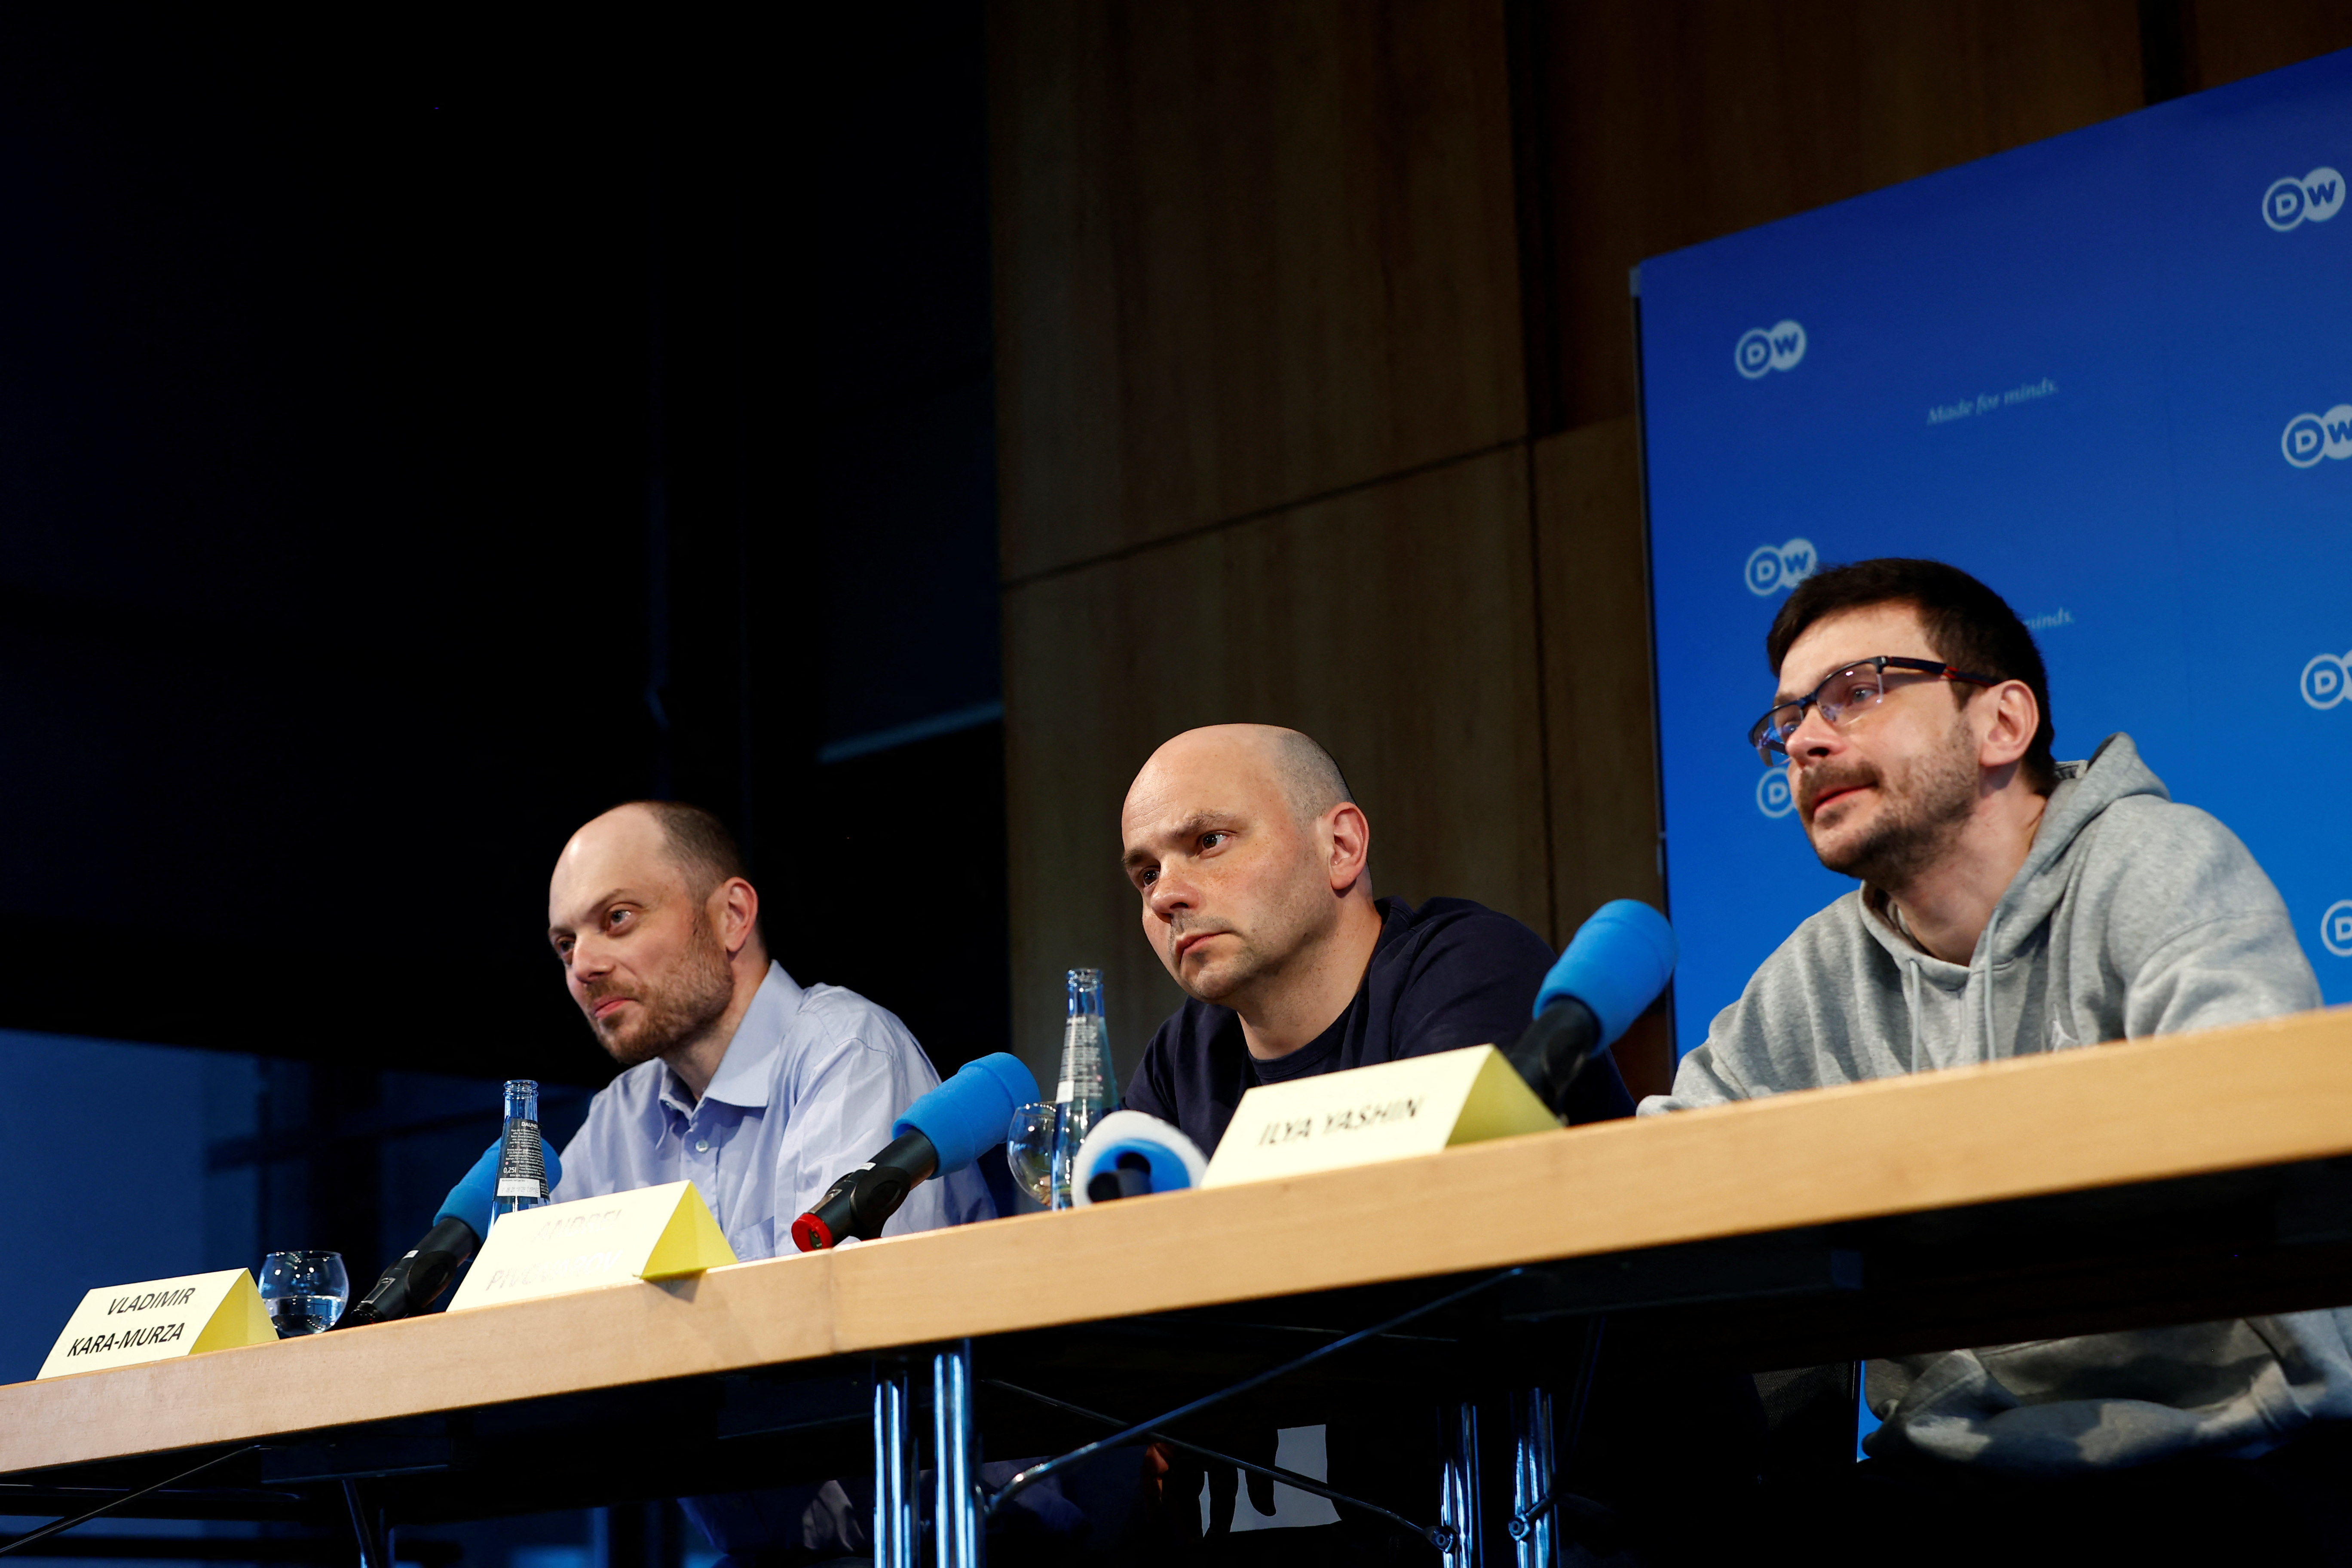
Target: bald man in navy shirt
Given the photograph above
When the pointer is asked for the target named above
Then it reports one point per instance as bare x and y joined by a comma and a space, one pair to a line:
1254, 868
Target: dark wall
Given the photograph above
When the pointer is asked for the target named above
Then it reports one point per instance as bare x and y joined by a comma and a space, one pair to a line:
418, 434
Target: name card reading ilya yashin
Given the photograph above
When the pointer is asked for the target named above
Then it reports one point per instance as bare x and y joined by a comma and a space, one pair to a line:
122, 1325
653, 1233
1392, 1110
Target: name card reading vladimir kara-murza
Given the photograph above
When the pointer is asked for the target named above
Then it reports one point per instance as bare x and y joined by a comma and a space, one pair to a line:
122, 1325
653, 1233
1392, 1110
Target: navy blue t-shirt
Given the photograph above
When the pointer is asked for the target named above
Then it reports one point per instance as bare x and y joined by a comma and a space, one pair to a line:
1448, 975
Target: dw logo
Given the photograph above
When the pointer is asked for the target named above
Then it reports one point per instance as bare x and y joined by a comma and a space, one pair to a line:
2325, 678
2319, 196
1772, 795
1772, 567
2311, 437
2336, 927
1764, 348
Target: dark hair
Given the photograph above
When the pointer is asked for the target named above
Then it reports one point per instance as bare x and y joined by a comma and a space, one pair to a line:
698, 844
1969, 626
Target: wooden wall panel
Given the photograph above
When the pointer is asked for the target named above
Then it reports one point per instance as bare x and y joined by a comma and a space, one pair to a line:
1394, 625
1601, 721
1246, 254
2228, 40
1601, 772
1682, 120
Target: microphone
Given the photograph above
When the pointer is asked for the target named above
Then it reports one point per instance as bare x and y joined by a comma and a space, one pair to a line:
1618, 962
425, 1271
416, 1282
942, 1131
1130, 1155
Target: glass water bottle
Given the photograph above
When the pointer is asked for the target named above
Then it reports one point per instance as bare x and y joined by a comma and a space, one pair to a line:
1083, 1095
522, 1165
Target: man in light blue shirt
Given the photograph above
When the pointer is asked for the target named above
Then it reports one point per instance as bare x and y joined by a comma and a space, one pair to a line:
738, 1079
757, 1089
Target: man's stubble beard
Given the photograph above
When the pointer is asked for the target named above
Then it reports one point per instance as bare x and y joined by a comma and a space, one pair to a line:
1921, 815
681, 1007
1293, 925
1242, 970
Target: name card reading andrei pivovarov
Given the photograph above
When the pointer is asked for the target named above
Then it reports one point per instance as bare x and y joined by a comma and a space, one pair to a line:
1392, 1110
653, 1233
122, 1325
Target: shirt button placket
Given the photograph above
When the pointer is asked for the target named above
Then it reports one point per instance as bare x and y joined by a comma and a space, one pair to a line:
702, 1163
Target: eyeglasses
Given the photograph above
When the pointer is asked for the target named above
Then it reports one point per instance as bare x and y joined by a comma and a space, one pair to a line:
1853, 689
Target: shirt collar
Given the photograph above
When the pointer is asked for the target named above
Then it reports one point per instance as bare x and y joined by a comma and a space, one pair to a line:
742, 1077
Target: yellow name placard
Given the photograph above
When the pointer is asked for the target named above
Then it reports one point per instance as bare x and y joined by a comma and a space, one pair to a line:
653, 1233
1392, 1110
122, 1325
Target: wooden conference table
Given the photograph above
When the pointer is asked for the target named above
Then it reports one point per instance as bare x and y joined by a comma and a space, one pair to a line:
2164, 1180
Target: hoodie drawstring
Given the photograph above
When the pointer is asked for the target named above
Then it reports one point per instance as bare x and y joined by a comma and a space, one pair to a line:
1911, 1006
1992, 924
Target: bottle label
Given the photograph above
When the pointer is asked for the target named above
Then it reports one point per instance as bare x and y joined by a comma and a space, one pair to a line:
522, 1170
1064, 1091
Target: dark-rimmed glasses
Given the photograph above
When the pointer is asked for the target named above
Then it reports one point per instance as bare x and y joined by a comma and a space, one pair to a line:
1853, 689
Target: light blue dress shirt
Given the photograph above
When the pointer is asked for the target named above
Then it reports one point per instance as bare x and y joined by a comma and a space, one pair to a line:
807, 1091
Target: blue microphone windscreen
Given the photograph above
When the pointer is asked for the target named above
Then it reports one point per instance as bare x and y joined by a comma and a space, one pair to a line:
967, 1116
475, 1197
1618, 962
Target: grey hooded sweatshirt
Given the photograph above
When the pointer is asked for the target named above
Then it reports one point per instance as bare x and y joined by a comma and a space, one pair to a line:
2131, 916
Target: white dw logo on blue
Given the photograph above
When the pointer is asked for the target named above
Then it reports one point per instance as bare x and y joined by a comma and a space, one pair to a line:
1763, 350
1772, 567
1773, 796
2336, 927
2324, 679
2311, 437
2317, 197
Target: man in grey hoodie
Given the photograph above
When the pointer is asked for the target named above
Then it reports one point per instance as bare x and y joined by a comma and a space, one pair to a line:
2009, 904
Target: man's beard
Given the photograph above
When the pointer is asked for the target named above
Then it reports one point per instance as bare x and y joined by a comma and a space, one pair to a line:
1214, 983
1276, 935
1920, 814
685, 1003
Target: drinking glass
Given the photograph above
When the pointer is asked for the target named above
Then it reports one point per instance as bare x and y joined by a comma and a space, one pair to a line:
305, 1291
1029, 1151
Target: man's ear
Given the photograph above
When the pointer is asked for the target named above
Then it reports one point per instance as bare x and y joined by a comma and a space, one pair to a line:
1351, 845
736, 913
2016, 719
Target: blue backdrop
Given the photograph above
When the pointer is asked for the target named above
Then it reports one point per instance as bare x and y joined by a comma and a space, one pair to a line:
2109, 374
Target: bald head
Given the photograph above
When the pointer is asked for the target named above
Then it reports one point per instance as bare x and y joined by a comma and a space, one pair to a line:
1310, 779
1248, 854
1309, 782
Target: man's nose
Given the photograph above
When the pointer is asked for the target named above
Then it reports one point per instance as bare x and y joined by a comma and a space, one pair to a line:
1172, 894
1813, 738
589, 959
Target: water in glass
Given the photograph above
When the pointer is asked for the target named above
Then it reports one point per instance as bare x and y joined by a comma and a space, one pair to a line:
305, 1291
